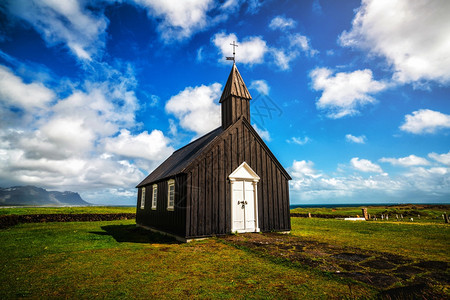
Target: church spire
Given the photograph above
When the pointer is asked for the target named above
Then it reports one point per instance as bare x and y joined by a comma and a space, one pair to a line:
235, 99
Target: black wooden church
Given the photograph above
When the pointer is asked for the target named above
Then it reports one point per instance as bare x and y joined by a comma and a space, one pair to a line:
225, 181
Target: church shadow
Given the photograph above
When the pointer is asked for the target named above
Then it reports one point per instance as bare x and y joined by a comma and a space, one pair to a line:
133, 234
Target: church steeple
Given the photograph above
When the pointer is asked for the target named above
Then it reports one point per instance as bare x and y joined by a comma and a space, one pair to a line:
235, 99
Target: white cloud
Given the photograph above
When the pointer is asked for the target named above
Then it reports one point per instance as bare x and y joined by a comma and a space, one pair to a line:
303, 169
297, 44
153, 146
435, 180
344, 93
356, 139
407, 161
415, 52
298, 41
196, 108
425, 121
261, 86
417, 184
443, 158
81, 142
180, 19
298, 140
263, 133
14, 92
282, 23
67, 22
251, 50
365, 165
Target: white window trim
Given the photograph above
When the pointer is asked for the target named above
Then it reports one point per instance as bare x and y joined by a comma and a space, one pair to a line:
169, 184
143, 198
154, 197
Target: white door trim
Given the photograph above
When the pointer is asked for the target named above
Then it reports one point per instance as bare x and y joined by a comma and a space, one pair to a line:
245, 174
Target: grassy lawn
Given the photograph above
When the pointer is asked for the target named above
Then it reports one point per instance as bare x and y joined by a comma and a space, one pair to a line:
427, 241
66, 210
116, 260
428, 213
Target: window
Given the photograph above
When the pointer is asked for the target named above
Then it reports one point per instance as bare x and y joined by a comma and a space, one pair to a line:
171, 194
143, 198
154, 196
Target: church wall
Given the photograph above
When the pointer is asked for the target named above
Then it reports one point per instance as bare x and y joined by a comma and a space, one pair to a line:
162, 219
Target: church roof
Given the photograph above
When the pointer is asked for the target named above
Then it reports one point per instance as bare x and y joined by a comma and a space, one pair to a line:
181, 158
235, 86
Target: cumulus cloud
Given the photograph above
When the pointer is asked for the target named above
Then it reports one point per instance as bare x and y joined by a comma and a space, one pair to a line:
365, 165
417, 184
70, 23
443, 158
297, 44
415, 52
282, 23
153, 146
14, 92
301, 42
81, 141
261, 86
263, 133
251, 49
425, 121
356, 139
196, 108
180, 19
344, 93
303, 169
299, 140
407, 161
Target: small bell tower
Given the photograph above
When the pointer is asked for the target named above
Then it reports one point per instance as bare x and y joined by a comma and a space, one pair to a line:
235, 99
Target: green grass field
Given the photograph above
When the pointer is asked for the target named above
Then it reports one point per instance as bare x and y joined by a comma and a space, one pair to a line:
427, 213
428, 241
117, 260
66, 210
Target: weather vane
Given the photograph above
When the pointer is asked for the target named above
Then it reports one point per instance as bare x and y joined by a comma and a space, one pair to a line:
234, 53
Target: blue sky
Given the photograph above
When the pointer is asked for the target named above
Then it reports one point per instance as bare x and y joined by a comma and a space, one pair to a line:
352, 97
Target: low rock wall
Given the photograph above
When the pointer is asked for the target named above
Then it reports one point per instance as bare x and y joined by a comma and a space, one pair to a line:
297, 215
11, 220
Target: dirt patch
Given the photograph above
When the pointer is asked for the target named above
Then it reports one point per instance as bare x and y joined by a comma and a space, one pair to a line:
378, 269
433, 265
379, 264
415, 291
349, 267
378, 280
353, 257
409, 270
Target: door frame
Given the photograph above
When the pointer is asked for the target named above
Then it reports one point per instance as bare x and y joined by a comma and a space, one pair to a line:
244, 173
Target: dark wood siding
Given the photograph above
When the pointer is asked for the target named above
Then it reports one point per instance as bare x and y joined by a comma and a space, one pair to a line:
161, 218
209, 188
233, 108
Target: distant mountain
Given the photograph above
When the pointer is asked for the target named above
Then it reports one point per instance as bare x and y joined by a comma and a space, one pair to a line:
31, 195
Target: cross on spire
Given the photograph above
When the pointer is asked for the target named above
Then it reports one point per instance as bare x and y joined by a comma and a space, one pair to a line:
234, 52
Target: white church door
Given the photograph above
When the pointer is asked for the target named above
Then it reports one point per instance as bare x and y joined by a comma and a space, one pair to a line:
244, 206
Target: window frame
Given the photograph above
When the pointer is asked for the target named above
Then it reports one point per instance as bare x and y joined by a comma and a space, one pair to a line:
170, 183
143, 197
154, 196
